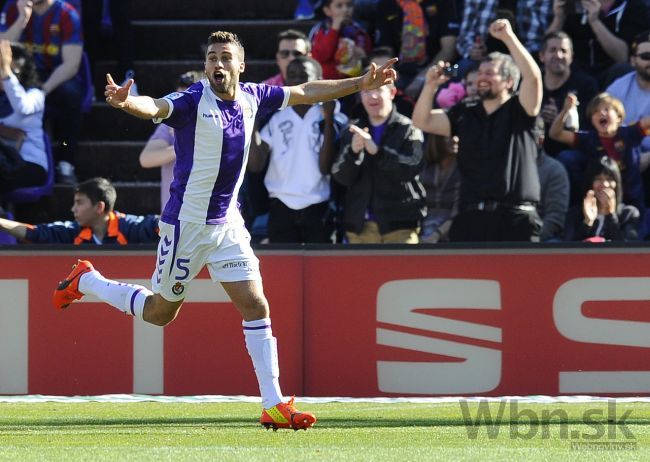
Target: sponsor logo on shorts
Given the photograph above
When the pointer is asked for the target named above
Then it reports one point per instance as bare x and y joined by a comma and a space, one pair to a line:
178, 288
236, 264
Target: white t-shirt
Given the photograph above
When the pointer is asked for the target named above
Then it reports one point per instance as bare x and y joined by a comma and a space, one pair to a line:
293, 175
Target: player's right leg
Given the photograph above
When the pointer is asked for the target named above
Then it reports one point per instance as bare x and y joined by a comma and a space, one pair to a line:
234, 264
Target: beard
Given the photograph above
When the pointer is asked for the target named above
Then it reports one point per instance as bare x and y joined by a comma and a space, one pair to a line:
644, 74
558, 69
486, 94
223, 86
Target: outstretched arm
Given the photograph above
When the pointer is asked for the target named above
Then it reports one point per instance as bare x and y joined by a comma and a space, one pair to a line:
143, 107
16, 229
424, 117
324, 90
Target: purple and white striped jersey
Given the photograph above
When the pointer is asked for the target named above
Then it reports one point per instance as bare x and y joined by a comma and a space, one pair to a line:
212, 141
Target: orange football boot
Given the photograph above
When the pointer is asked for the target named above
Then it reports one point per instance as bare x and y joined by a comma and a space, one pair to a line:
285, 415
68, 289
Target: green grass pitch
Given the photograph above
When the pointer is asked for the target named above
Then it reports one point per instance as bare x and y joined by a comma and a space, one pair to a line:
345, 431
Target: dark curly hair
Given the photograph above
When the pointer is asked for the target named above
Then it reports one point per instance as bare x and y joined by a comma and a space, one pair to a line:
24, 67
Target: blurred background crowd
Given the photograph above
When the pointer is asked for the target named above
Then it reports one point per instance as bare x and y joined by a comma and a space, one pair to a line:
357, 170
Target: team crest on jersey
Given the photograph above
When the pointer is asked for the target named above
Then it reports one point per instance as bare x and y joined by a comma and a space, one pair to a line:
248, 112
178, 288
174, 95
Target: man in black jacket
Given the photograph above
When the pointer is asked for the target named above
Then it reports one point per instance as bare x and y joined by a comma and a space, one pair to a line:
379, 162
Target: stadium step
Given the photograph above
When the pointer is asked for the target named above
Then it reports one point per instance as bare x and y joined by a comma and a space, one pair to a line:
211, 9
186, 39
115, 160
105, 123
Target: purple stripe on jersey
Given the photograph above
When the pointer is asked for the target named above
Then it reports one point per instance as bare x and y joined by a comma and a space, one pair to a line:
232, 115
133, 300
184, 148
232, 159
265, 326
177, 233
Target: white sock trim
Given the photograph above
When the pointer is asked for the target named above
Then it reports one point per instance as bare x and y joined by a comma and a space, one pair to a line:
127, 298
256, 324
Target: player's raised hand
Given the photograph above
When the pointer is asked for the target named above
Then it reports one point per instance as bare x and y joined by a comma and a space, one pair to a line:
115, 94
378, 76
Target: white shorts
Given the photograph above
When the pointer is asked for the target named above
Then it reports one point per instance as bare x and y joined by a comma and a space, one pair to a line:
184, 250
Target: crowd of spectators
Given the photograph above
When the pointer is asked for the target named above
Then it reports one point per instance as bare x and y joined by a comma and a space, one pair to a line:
532, 120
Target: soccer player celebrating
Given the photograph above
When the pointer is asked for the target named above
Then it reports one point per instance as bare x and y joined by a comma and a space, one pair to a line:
201, 224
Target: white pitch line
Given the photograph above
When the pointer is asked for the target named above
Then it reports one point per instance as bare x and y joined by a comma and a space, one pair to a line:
308, 399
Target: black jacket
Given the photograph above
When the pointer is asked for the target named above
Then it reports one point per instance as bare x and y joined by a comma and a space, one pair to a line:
386, 183
620, 226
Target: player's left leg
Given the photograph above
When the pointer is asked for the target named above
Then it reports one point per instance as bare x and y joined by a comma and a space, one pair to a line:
84, 279
249, 299
131, 299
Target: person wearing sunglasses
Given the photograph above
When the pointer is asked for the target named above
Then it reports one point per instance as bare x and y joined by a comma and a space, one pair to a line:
633, 89
291, 44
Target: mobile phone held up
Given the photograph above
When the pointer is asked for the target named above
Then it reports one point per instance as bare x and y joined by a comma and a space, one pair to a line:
450, 71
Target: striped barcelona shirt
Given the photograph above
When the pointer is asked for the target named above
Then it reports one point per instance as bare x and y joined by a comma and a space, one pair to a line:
45, 35
212, 141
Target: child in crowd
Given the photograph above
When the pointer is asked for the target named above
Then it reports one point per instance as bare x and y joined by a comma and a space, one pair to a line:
441, 180
602, 216
471, 76
339, 43
606, 137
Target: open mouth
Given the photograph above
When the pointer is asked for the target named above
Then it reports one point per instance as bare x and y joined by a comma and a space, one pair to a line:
603, 122
218, 77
